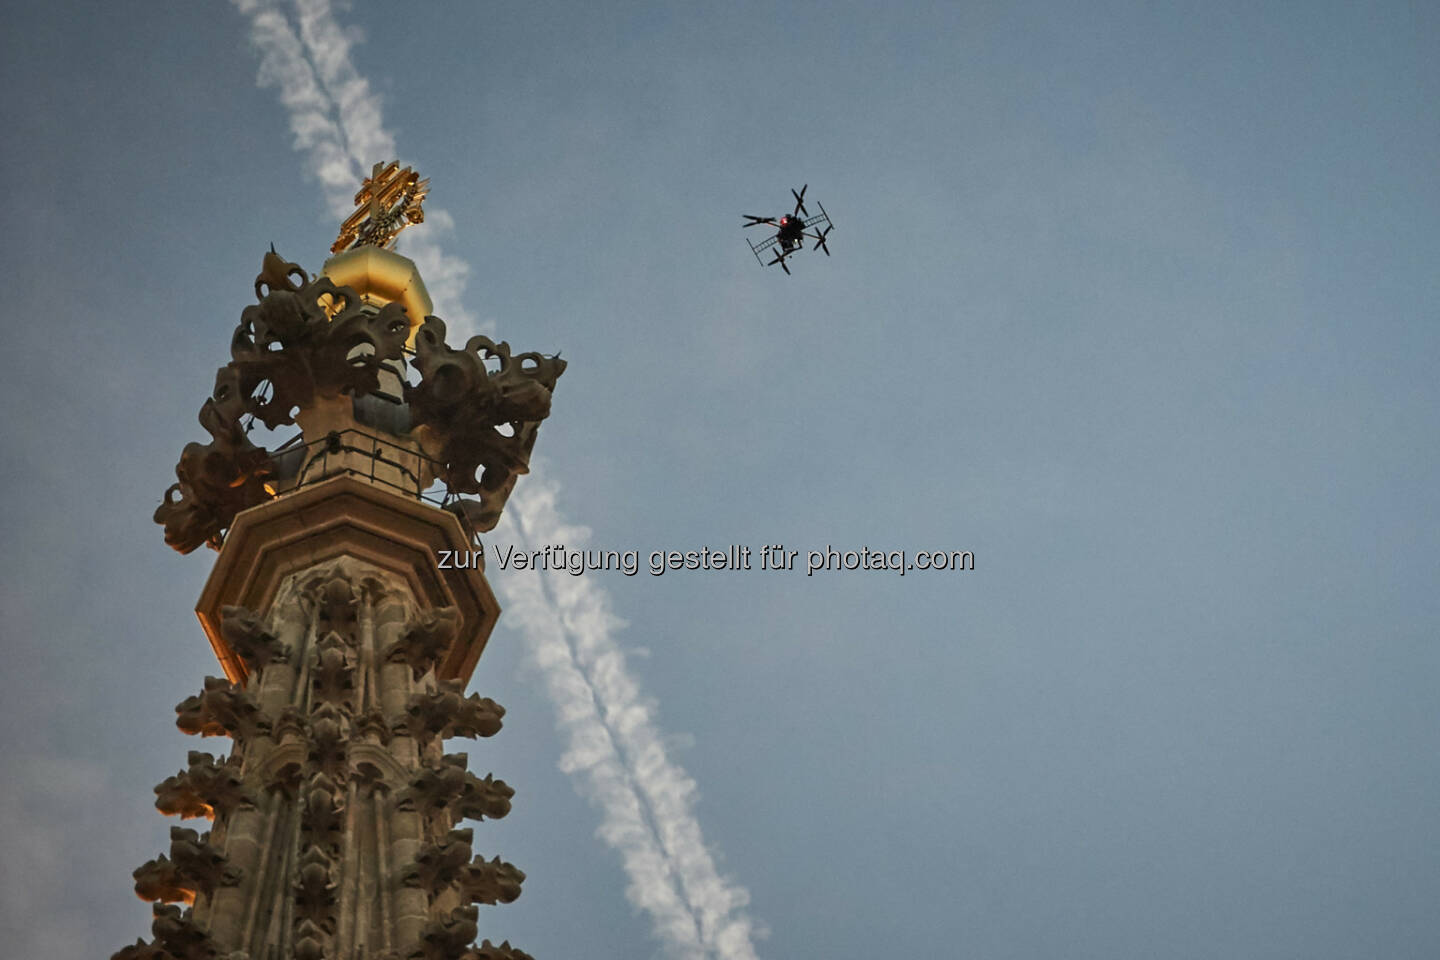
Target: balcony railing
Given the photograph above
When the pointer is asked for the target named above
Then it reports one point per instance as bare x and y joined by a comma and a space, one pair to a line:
376, 459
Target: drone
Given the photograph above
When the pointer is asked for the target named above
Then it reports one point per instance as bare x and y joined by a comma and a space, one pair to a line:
790, 235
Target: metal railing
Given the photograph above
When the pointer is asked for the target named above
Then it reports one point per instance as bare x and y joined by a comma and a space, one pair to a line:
370, 457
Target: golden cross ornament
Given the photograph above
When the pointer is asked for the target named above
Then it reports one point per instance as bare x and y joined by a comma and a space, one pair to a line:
388, 201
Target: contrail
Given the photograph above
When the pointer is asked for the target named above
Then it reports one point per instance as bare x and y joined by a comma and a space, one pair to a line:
614, 749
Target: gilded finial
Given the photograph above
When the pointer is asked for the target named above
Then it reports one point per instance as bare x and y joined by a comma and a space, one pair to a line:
388, 201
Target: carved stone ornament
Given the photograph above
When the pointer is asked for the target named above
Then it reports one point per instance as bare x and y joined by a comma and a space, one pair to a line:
160, 879
323, 817
459, 407
315, 890
332, 677
244, 630
217, 480
329, 741
335, 602
448, 788
307, 341
177, 932
206, 788
140, 950
370, 726
302, 340
221, 709
436, 786
447, 713
199, 863
483, 798
490, 881
426, 640
447, 936
488, 951
438, 865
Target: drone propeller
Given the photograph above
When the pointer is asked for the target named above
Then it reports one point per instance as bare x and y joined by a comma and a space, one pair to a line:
820, 241
800, 199
780, 259
756, 221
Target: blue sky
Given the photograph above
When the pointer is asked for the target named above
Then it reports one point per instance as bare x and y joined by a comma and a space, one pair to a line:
1135, 301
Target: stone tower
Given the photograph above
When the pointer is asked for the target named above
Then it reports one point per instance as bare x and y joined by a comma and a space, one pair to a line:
345, 641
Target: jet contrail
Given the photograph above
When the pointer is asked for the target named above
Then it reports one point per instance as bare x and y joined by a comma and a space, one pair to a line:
614, 749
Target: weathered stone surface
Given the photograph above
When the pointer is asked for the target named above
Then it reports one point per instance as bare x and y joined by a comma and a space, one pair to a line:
459, 405
438, 865
329, 741
216, 481
303, 341
176, 931
315, 890
323, 813
221, 709
447, 713
446, 937
426, 639
336, 602
245, 631
483, 798
160, 879
488, 951
206, 788
490, 881
332, 677
198, 863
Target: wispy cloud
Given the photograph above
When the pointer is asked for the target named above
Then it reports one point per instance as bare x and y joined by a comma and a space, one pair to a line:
337, 123
614, 748
571, 617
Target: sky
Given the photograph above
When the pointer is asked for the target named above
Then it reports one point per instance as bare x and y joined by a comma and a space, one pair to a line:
1136, 302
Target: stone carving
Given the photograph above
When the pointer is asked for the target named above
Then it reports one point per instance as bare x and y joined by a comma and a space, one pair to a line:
488, 951
336, 604
447, 713
437, 865
308, 341
329, 741
315, 890
287, 779
140, 950
483, 798
176, 931
367, 778
490, 881
332, 677
435, 786
323, 818
303, 340
309, 940
426, 640
448, 788
459, 406
160, 879
216, 481
206, 788
447, 936
221, 709
371, 726
290, 726
199, 863
244, 630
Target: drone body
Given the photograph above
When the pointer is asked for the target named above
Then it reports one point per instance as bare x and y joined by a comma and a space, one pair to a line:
790, 232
